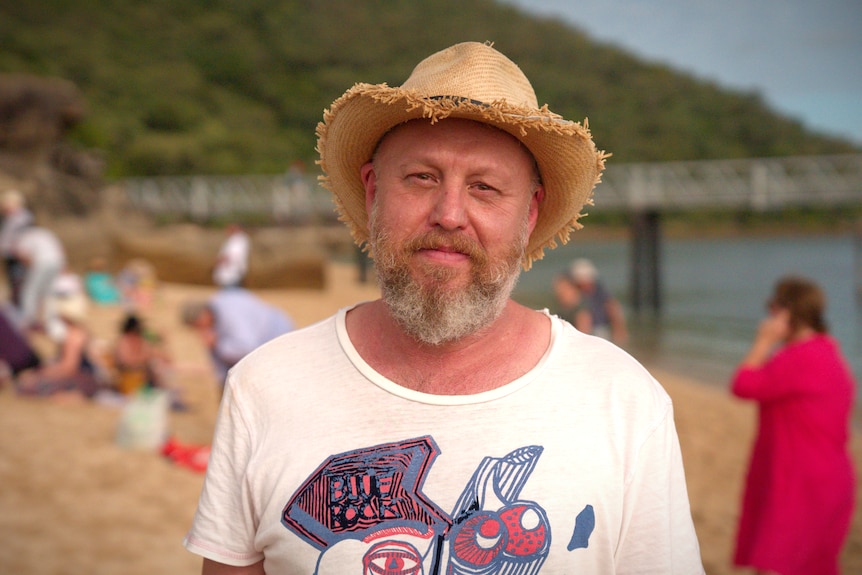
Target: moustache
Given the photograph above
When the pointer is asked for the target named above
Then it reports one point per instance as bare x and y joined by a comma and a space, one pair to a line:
451, 242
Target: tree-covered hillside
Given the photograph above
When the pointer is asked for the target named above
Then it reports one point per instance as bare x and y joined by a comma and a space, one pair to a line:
234, 86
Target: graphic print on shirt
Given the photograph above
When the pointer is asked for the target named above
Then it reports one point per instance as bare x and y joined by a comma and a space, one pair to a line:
367, 506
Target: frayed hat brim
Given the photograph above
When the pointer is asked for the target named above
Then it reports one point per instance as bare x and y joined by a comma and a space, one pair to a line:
569, 163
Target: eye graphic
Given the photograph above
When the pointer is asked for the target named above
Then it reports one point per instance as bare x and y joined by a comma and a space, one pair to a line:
392, 558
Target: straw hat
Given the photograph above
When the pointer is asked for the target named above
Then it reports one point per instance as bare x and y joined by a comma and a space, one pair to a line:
72, 308
473, 81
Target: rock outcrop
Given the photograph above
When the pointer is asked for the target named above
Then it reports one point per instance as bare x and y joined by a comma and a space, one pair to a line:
36, 114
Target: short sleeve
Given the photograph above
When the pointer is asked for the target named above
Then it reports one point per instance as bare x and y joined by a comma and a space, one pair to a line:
225, 522
658, 535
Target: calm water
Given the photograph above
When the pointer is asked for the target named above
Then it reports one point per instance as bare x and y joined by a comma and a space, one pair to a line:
714, 292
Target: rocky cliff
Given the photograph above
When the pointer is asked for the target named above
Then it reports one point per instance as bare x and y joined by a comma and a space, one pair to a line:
57, 178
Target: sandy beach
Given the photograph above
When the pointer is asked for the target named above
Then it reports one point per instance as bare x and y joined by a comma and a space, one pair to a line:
74, 502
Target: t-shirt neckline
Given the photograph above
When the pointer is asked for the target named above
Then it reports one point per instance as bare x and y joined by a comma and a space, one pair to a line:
394, 388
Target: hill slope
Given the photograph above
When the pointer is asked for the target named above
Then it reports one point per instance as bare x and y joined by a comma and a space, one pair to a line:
233, 86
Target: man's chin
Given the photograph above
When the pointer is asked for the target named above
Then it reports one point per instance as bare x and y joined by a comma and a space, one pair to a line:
442, 281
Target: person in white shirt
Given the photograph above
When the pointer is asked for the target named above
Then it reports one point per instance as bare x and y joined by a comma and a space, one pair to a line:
43, 254
445, 428
231, 264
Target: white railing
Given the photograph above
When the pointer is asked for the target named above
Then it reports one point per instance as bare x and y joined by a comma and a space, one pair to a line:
759, 184
294, 199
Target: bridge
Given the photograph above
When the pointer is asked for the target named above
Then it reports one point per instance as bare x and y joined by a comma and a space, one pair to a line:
645, 190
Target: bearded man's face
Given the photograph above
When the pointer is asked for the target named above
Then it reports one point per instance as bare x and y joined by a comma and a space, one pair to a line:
451, 207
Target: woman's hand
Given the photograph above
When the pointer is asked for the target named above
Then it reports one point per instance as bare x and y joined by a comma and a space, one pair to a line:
773, 330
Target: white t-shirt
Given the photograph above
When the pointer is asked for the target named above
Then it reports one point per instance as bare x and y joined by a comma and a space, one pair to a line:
321, 465
41, 247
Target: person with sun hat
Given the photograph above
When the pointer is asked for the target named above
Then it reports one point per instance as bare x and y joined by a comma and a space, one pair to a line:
445, 428
74, 372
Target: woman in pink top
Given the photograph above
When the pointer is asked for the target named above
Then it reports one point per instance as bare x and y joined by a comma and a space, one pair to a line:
799, 491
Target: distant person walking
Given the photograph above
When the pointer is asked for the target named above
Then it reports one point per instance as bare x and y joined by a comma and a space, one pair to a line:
606, 313
16, 217
42, 253
800, 487
231, 265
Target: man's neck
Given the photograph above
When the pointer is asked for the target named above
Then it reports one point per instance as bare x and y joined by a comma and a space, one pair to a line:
505, 350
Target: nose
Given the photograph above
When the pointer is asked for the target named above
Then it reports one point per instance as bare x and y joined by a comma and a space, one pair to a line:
449, 211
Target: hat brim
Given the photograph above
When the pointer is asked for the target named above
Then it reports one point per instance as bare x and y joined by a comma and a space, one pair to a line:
568, 162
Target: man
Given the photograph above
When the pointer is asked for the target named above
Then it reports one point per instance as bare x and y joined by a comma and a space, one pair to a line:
232, 262
16, 218
606, 313
232, 323
445, 428
44, 258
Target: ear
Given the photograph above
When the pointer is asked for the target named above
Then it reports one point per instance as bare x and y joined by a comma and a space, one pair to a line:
535, 200
369, 182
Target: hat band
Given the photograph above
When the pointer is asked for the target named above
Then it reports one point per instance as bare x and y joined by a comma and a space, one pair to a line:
461, 100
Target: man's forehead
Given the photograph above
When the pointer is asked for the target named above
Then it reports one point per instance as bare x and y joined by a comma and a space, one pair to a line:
446, 124
425, 127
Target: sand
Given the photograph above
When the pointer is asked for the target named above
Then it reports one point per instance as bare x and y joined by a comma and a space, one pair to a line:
73, 502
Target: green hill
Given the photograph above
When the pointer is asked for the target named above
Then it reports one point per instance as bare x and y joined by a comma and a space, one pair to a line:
238, 86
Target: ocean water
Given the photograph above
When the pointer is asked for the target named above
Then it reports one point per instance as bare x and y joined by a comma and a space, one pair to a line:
714, 294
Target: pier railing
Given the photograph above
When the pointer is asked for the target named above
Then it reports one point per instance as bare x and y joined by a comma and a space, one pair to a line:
280, 198
758, 184
645, 190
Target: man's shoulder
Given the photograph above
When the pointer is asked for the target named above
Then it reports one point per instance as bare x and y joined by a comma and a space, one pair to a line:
604, 365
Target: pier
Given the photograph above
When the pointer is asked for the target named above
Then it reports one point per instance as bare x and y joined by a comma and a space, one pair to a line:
644, 190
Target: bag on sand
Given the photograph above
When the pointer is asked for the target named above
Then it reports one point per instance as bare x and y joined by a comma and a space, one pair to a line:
144, 420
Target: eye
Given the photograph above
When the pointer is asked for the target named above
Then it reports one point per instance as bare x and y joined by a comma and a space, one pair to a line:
484, 189
421, 178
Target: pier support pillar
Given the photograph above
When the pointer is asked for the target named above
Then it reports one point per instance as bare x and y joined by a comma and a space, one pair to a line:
646, 261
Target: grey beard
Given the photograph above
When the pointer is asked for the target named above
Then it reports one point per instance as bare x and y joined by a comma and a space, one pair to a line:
435, 314
438, 315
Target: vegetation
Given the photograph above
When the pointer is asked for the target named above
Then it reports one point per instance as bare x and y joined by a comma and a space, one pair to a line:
238, 86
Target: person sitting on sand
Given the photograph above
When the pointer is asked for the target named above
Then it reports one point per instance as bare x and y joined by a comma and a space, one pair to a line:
73, 373
138, 359
137, 284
